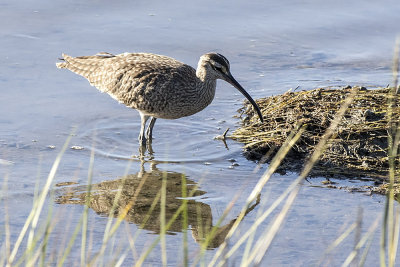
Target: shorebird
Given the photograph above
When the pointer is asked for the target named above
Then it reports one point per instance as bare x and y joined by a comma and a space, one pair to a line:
157, 86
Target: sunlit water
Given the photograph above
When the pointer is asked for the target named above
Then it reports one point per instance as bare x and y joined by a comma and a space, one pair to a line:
272, 47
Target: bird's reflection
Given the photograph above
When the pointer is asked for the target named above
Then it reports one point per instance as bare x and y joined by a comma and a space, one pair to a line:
138, 192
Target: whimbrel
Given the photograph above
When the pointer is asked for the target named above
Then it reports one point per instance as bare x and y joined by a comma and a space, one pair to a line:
156, 86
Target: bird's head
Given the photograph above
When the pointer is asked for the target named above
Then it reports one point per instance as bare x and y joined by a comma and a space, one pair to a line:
217, 66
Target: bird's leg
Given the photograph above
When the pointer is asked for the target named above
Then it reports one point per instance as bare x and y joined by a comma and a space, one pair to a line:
149, 131
142, 138
149, 148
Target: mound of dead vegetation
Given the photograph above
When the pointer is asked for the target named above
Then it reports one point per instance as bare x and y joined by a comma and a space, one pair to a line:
359, 146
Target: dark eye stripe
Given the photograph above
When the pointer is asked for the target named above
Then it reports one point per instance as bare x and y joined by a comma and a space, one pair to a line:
224, 58
215, 67
220, 59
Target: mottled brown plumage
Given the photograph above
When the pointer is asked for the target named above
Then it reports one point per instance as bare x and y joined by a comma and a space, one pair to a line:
157, 86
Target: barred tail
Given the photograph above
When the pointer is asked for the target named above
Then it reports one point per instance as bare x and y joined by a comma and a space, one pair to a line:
83, 66
62, 65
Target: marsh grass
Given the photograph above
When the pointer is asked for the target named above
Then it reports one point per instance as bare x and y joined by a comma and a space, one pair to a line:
391, 223
251, 244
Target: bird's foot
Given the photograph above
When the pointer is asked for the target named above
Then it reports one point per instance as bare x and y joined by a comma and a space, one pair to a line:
149, 147
145, 145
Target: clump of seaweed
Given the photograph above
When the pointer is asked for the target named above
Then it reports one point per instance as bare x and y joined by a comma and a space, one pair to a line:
358, 148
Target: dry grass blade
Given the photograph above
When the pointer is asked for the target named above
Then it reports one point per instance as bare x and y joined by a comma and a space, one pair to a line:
294, 187
163, 230
319, 149
266, 239
36, 211
185, 223
391, 220
7, 243
110, 228
367, 236
340, 239
86, 209
295, 135
178, 212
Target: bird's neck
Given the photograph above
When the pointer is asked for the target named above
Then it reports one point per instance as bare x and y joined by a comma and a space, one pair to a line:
207, 82
206, 88
201, 73
205, 77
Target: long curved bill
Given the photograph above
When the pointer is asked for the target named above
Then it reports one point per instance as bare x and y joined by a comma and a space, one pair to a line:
232, 81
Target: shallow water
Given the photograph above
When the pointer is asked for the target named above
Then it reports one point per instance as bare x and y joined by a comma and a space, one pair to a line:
272, 47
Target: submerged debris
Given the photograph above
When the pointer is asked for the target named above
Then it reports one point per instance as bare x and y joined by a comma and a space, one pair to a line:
358, 148
77, 147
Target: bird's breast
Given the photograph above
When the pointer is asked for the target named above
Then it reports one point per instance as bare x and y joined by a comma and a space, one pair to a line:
176, 100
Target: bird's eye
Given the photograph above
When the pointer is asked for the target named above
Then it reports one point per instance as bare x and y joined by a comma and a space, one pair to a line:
217, 67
